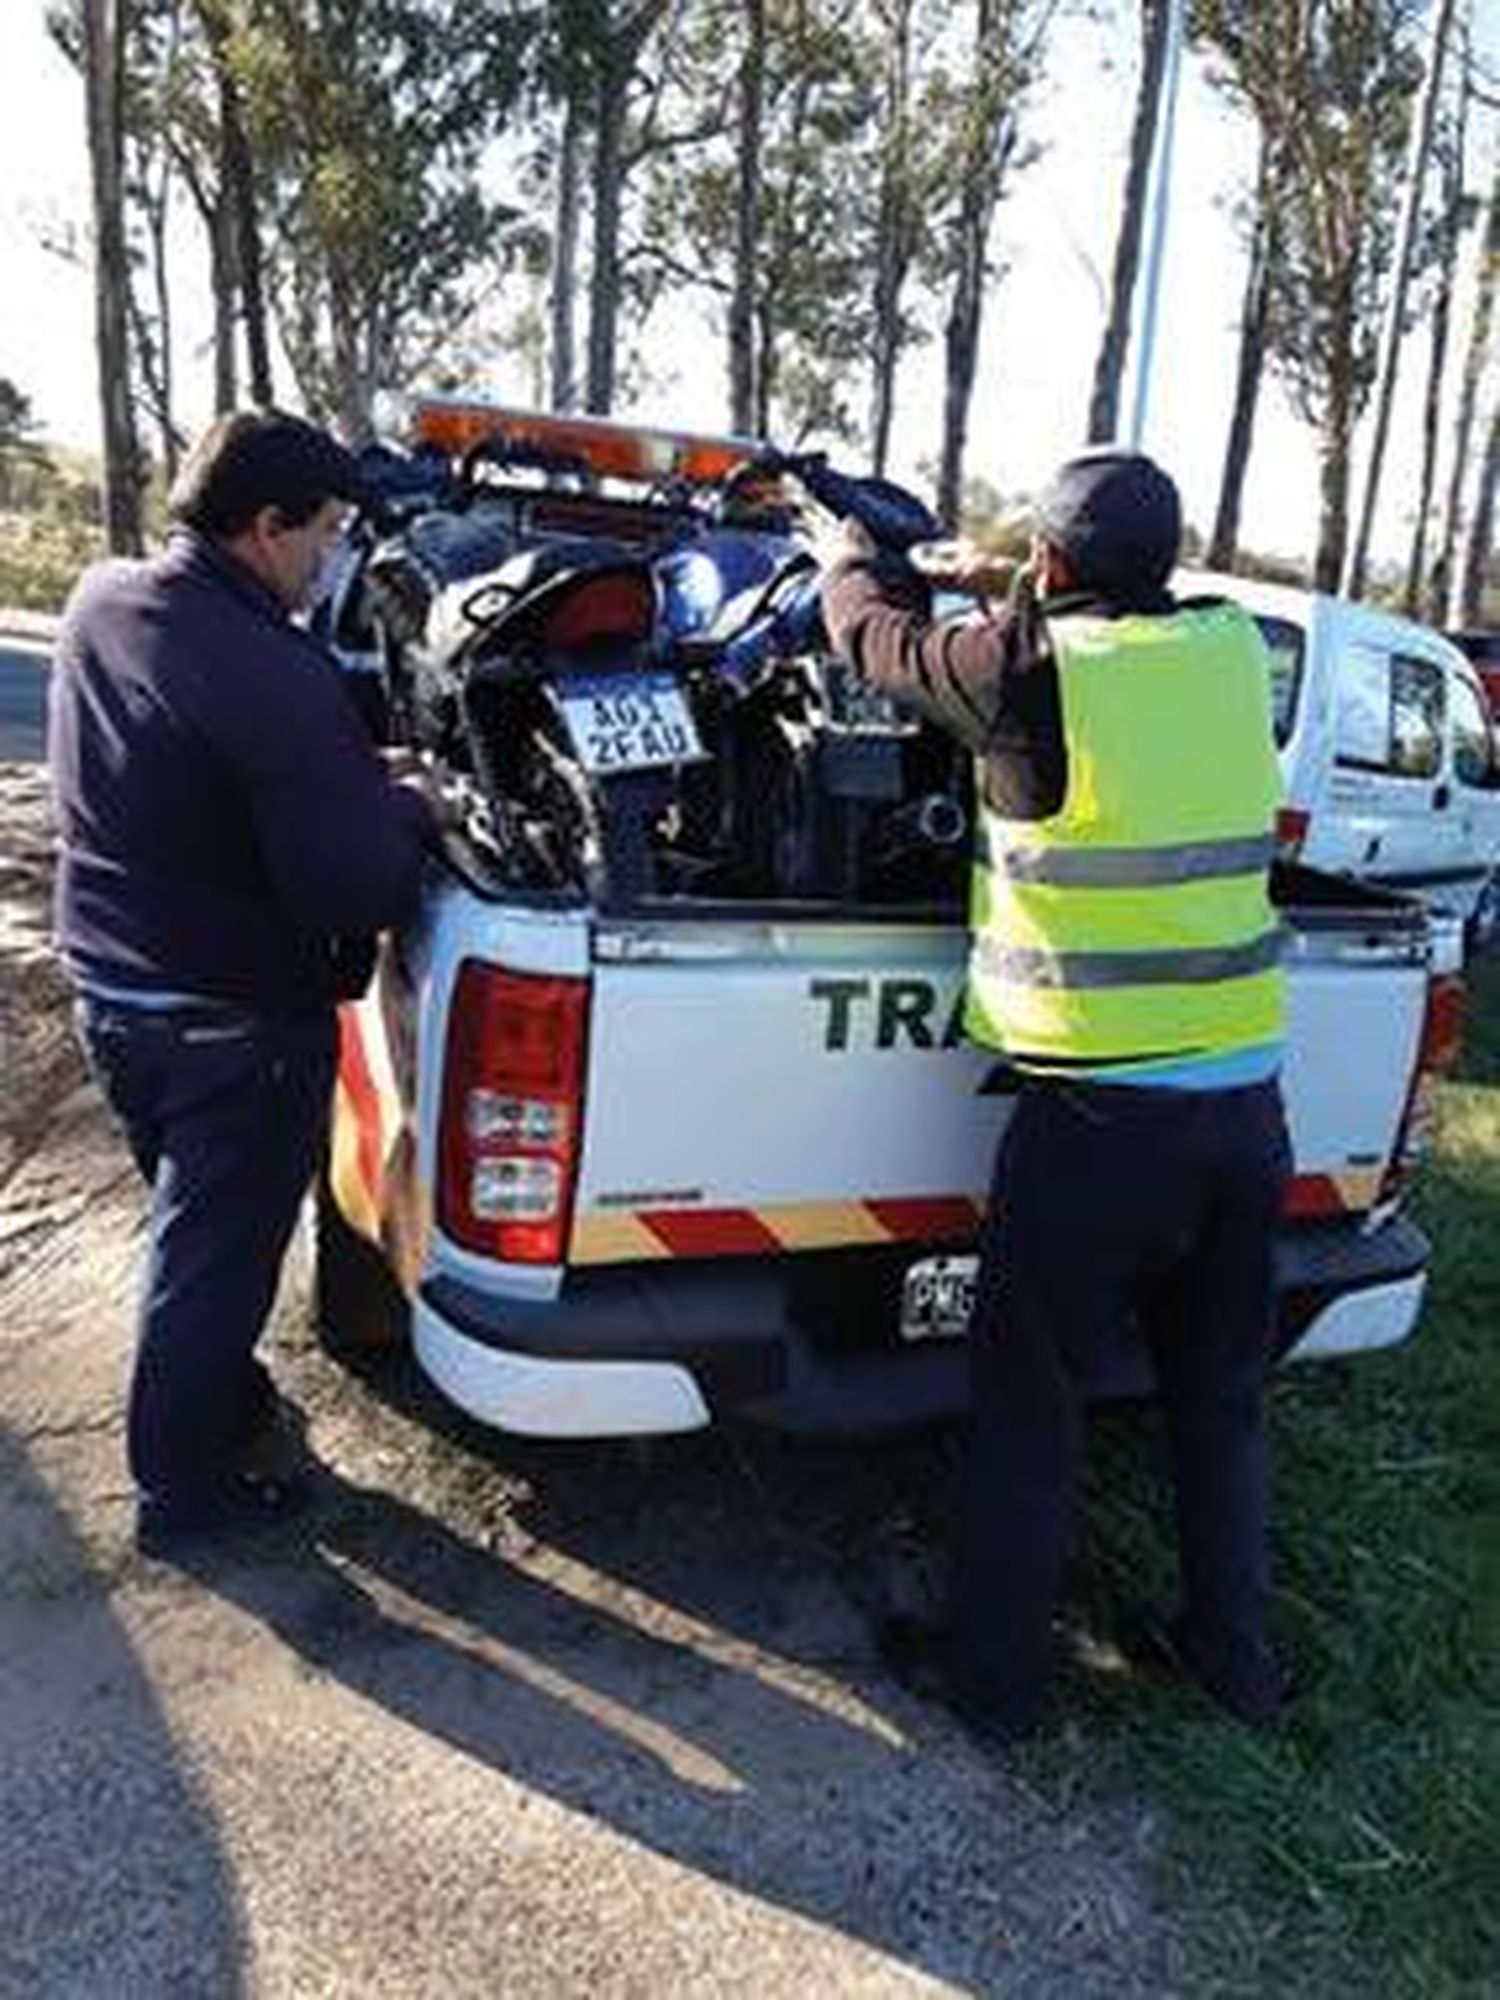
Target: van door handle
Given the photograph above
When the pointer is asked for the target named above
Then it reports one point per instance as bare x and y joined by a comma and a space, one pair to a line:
1442, 795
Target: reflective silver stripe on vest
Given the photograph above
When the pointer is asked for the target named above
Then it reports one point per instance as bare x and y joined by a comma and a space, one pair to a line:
1129, 867
1076, 970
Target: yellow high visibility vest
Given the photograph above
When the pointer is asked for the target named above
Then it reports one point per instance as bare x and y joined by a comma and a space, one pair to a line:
1136, 922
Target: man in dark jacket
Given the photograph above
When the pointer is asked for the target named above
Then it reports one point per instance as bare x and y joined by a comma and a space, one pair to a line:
228, 842
1125, 962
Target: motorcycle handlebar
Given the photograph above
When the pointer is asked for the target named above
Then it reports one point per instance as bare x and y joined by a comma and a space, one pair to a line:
896, 518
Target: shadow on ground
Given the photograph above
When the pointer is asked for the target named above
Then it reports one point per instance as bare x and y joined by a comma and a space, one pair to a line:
669, 1643
112, 1880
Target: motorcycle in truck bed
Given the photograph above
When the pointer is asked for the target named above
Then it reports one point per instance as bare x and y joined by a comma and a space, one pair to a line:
660, 1112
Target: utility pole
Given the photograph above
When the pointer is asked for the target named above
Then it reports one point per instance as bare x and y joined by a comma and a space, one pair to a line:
1156, 242
1357, 562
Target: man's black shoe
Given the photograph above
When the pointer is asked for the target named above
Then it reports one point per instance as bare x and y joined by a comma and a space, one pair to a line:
246, 1502
1252, 1686
275, 1445
918, 1653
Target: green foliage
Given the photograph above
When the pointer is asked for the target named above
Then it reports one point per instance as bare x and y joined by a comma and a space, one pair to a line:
50, 525
20, 449
1331, 88
370, 119
817, 201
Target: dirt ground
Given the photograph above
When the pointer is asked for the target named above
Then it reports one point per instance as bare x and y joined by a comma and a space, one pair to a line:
500, 1719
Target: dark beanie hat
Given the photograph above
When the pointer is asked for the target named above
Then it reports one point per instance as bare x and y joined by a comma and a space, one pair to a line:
252, 459
1116, 516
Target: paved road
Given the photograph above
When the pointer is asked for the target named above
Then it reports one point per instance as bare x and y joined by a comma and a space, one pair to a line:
23, 701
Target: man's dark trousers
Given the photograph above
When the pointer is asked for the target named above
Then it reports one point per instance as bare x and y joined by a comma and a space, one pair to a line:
224, 1113
1114, 1206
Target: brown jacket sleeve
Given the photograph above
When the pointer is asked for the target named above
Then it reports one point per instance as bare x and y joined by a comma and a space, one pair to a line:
990, 679
961, 673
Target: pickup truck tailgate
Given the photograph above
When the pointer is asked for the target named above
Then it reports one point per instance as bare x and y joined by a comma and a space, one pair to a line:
755, 1086
1356, 996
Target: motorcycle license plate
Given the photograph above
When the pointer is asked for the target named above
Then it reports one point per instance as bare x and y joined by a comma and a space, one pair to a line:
634, 724
937, 1297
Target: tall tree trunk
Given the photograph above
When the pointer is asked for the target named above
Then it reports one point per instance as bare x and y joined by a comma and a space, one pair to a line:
961, 352
1450, 237
104, 78
1109, 368
224, 271
1432, 409
767, 363
158, 215
604, 275
893, 234
248, 255
1249, 370
351, 386
1406, 246
744, 411
237, 193
991, 142
563, 279
1445, 593
1336, 445
211, 202
1481, 539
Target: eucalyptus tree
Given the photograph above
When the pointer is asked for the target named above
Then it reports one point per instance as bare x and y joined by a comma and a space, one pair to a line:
1446, 585
22, 453
629, 90
1246, 44
911, 145
998, 58
1454, 212
1479, 546
369, 121
769, 219
219, 165
1405, 257
1337, 228
95, 33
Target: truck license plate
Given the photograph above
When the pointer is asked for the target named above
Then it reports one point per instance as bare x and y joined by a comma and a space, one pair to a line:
628, 724
937, 1298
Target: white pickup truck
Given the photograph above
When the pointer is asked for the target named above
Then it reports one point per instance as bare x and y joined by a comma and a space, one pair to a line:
676, 1124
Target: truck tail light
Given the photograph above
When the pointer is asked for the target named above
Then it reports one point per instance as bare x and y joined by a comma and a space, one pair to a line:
1292, 823
508, 1142
1437, 1053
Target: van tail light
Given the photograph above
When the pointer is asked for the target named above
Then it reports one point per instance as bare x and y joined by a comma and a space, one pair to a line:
512, 1116
1292, 823
1438, 1052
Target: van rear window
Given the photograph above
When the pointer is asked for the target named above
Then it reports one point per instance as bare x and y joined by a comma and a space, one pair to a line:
1284, 642
1390, 713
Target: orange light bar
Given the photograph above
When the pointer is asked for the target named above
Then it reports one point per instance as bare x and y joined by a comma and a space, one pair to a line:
619, 451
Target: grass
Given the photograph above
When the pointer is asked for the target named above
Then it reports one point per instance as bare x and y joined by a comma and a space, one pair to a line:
1359, 1851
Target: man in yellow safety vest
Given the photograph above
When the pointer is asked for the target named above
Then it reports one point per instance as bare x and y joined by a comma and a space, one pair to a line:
1124, 961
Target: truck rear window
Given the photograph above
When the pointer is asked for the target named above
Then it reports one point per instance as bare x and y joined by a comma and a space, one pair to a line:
1284, 643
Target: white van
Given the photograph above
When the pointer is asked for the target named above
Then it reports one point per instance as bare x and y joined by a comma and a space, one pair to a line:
1387, 744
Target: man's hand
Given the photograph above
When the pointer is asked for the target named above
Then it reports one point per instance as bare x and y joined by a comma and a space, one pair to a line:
403, 765
834, 541
963, 565
446, 798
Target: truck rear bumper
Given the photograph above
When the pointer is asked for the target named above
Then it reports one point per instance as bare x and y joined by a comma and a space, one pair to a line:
540, 1397
653, 1348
